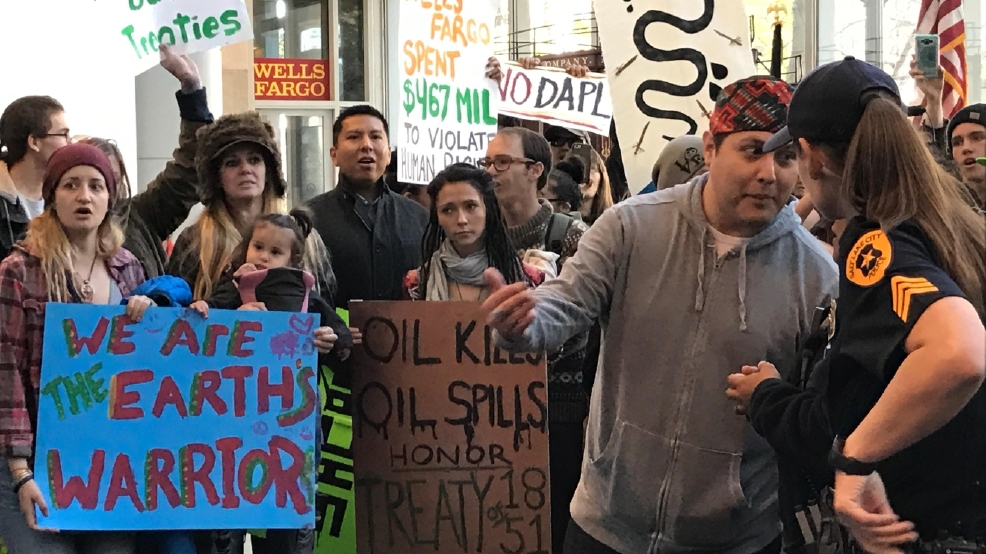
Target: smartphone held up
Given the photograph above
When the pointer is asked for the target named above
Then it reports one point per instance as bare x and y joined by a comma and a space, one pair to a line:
928, 51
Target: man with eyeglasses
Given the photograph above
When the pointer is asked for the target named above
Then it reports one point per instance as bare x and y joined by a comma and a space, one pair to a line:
519, 161
31, 129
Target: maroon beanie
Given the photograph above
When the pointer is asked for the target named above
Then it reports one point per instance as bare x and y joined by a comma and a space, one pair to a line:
74, 155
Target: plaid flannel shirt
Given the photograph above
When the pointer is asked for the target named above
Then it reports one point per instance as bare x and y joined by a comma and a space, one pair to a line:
23, 296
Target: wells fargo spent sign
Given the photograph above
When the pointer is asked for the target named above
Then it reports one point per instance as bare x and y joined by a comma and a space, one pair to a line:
449, 434
291, 79
177, 422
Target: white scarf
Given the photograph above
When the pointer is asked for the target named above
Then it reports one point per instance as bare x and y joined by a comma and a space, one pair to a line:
446, 265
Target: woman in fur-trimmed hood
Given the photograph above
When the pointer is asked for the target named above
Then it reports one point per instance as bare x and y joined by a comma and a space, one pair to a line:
227, 132
240, 178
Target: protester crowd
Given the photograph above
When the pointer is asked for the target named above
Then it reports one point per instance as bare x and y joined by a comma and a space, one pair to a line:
778, 345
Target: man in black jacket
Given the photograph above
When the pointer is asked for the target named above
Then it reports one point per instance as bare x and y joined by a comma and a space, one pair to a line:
373, 235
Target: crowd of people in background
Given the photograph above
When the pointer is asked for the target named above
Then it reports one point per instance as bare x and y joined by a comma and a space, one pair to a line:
813, 253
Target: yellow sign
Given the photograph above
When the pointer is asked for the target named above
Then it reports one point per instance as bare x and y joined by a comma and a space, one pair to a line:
904, 288
869, 259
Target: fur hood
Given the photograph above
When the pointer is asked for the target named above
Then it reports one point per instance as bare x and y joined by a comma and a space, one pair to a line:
226, 131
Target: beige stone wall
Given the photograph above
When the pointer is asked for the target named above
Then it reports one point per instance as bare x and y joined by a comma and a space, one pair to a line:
238, 75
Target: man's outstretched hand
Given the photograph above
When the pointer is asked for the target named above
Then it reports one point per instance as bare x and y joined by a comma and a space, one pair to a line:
511, 307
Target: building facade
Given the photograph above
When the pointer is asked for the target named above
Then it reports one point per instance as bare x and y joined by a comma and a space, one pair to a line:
312, 58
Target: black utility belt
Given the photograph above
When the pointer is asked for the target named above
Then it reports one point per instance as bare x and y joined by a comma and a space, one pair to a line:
820, 529
823, 534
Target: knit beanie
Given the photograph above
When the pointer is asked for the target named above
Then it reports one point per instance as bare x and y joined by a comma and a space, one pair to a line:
74, 155
975, 113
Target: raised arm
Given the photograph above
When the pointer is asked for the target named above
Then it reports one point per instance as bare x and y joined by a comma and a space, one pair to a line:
165, 204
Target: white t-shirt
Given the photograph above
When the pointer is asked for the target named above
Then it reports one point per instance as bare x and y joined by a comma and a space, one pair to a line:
32, 207
726, 243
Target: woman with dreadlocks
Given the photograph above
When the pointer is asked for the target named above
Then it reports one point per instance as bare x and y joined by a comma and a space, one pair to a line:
465, 236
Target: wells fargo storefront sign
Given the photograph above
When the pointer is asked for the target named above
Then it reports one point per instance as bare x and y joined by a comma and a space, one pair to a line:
289, 79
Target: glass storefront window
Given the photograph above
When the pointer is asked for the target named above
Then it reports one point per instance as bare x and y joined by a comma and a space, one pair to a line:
548, 27
849, 27
290, 29
303, 137
762, 15
845, 28
559, 27
351, 50
501, 27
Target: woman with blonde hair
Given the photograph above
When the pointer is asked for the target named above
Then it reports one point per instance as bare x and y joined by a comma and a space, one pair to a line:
72, 253
240, 179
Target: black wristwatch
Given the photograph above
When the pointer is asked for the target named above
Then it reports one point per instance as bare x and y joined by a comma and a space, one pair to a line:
845, 464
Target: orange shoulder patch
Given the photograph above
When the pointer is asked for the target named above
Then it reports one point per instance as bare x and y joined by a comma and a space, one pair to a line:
869, 259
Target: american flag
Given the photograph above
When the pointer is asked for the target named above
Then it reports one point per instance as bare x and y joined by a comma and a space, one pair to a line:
944, 18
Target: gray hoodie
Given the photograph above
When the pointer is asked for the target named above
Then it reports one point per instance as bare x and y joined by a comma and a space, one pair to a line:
669, 467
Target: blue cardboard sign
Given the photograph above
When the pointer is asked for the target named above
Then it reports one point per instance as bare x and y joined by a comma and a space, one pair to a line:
177, 422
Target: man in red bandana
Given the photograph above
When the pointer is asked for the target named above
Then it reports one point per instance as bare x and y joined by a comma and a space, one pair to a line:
690, 284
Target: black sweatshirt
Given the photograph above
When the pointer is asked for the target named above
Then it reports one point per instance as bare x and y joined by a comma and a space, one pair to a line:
793, 417
227, 297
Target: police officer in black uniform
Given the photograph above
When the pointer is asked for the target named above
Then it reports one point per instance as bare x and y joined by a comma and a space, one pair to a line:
792, 415
906, 365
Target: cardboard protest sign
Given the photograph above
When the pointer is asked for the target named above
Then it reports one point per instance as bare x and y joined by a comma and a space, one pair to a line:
552, 96
449, 434
667, 61
448, 113
335, 506
188, 26
176, 422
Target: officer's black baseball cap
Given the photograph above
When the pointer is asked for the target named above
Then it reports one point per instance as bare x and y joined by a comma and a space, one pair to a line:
829, 102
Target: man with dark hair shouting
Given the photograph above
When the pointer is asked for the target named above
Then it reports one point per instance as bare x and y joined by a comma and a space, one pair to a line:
689, 284
373, 234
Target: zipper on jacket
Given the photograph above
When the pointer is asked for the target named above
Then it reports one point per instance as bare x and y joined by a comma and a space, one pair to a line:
360, 216
663, 496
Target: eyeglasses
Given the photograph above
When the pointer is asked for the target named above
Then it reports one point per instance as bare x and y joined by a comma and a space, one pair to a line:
502, 163
567, 141
66, 135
